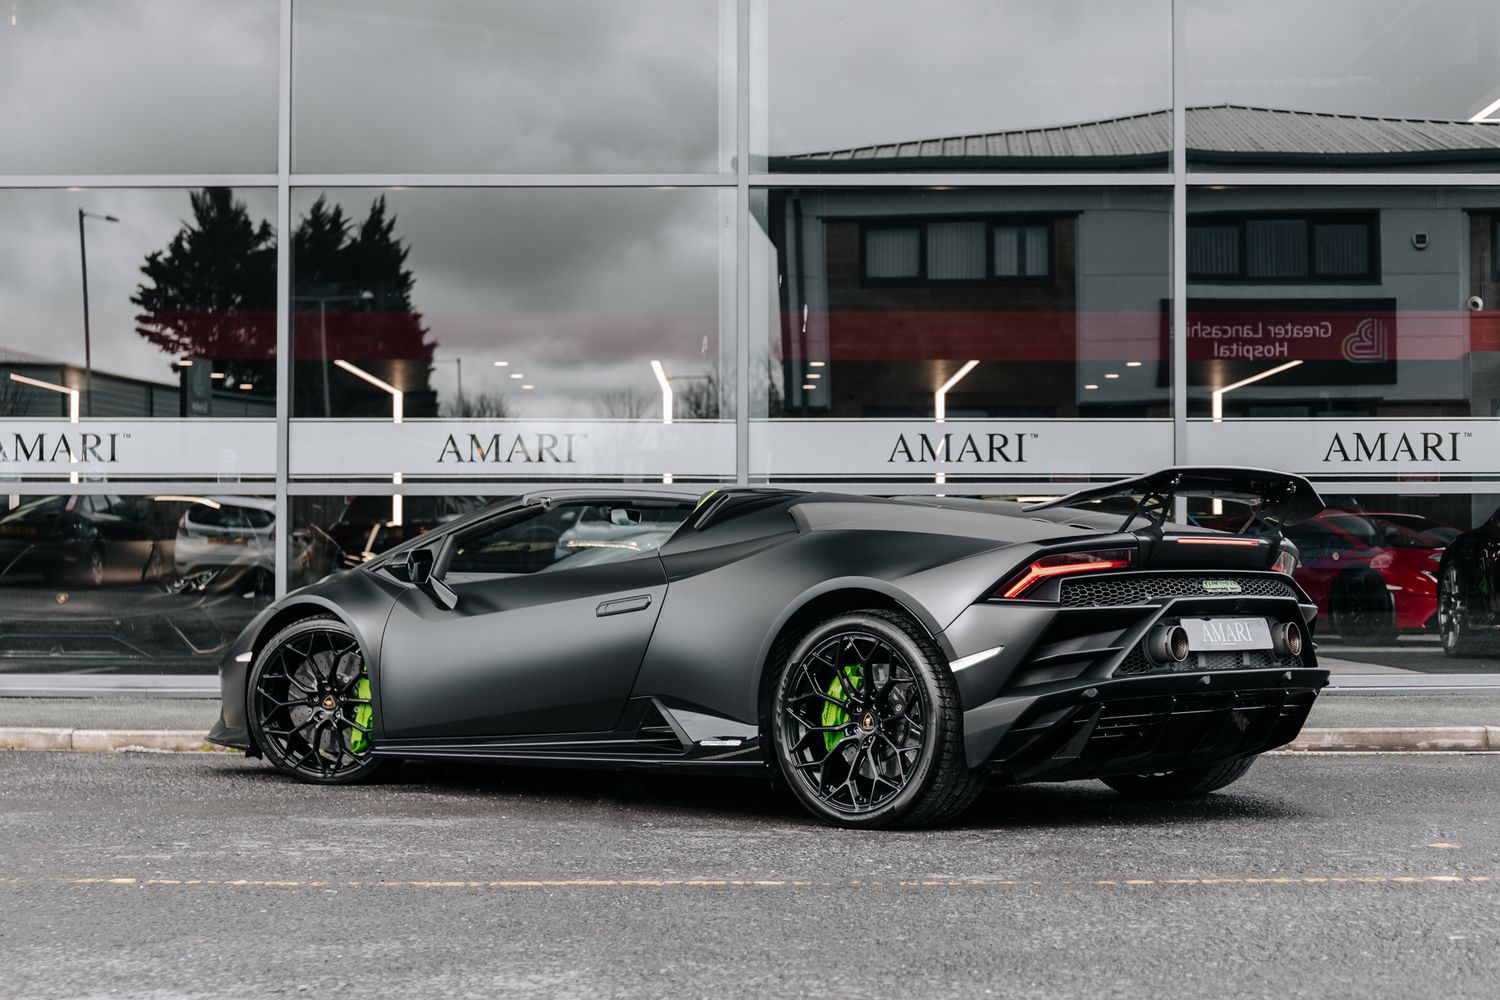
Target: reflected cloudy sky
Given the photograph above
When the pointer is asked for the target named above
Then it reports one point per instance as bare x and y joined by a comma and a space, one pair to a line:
489, 86
165, 86
1386, 58
843, 74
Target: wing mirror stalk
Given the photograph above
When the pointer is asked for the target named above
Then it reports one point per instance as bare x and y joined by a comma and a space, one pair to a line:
419, 565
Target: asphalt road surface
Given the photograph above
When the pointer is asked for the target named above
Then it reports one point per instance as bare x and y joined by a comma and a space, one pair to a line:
205, 875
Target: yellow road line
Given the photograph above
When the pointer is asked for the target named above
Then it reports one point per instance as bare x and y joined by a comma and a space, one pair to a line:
718, 883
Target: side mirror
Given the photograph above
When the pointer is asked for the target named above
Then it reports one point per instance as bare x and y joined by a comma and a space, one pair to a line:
419, 566
419, 563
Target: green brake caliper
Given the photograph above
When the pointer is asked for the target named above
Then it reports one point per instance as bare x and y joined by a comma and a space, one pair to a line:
833, 715
364, 713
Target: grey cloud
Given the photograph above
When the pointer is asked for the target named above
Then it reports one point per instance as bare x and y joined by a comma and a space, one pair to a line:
170, 86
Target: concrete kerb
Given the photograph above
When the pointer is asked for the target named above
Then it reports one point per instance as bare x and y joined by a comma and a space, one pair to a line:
102, 740
1473, 739
1462, 739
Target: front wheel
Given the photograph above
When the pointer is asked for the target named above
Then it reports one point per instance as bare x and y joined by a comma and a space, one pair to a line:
310, 705
866, 725
1182, 784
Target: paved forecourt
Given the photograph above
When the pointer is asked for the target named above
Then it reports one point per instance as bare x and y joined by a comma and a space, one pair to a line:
208, 875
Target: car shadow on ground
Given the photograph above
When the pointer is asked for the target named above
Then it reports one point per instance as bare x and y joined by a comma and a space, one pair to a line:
1078, 804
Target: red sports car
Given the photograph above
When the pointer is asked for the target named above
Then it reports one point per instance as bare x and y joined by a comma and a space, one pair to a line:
1371, 577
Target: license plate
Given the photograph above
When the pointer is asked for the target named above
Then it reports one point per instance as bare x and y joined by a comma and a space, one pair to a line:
1209, 634
218, 540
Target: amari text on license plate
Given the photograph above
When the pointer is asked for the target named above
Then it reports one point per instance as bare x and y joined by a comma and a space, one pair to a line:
1206, 634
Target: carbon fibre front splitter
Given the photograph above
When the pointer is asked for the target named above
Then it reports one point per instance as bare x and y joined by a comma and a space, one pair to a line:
1136, 725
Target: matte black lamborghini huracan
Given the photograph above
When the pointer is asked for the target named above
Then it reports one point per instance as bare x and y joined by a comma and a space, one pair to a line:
882, 657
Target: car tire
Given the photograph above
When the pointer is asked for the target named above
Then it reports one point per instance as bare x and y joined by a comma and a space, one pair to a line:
91, 573
889, 755
309, 694
1183, 784
1454, 630
1362, 611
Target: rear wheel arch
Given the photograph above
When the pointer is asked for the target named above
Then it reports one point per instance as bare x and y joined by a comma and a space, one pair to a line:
819, 606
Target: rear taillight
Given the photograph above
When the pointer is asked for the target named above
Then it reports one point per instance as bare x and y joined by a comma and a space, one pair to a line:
1285, 563
1063, 564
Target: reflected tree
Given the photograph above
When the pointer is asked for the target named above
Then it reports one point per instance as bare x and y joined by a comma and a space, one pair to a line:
484, 406
211, 294
628, 403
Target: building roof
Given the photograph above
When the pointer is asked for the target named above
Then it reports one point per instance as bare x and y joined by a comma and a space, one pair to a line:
1228, 134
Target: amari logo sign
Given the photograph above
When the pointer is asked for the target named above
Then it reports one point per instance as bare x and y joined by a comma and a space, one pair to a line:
61, 449
1354, 447
510, 449
960, 448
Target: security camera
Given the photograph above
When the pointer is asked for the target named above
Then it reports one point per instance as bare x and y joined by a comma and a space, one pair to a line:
1475, 303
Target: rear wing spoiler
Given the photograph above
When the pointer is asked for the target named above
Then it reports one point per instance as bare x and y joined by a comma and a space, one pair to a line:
1277, 498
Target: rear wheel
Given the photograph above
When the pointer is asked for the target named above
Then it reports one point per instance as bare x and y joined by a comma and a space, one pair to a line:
1180, 784
866, 725
1454, 629
1363, 610
309, 703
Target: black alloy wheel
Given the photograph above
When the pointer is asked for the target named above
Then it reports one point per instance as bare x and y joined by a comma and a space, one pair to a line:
311, 710
1454, 629
1363, 611
866, 725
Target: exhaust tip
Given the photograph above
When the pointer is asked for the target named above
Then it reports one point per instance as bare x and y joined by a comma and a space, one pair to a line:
1288, 639
1167, 645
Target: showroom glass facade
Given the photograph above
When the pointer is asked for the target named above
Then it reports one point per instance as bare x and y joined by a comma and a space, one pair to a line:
283, 282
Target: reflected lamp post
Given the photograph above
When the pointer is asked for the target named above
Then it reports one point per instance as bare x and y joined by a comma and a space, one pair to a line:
88, 350
322, 301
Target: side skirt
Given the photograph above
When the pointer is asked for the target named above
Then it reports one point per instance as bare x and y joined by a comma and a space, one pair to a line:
650, 735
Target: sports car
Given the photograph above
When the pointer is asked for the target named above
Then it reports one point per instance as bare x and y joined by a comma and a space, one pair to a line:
883, 658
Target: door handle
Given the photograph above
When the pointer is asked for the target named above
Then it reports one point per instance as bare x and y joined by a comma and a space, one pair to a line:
623, 605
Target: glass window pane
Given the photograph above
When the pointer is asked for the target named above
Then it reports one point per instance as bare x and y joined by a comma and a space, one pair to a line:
172, 86
1341, 248
955, 251
862, 379
1342, 85
1036, 239
1213, 250
1276, 248
1409, 335
961, 85
179, 324
572, 86
130, 584
1007, 251
893, 253
524, 332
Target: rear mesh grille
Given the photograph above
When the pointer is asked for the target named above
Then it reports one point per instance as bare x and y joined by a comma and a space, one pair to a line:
1105, 590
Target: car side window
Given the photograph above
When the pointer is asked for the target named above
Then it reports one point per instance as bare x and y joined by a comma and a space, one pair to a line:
567, 536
